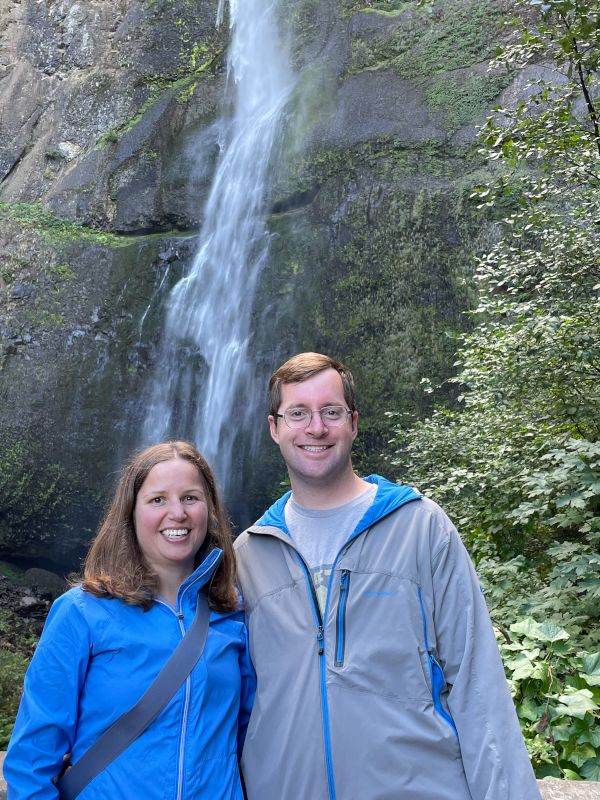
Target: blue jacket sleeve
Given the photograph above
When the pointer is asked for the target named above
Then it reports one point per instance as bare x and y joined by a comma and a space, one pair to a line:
496, 762
47, 718
247, 693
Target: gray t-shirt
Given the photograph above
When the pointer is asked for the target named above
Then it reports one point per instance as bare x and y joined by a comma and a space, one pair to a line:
320, 534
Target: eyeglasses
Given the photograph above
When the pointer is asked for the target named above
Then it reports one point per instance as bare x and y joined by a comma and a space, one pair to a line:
302, 417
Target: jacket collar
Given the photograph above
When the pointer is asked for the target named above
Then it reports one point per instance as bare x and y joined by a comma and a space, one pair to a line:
202, 575
389, 497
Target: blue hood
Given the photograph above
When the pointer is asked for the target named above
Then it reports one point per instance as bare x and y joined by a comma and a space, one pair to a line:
389, 497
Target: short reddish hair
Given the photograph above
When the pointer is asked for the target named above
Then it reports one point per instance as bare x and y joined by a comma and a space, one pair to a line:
303, 366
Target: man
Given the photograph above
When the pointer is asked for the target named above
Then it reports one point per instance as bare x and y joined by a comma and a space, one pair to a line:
378, 673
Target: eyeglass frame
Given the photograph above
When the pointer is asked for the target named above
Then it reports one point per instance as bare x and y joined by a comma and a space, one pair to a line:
311, 414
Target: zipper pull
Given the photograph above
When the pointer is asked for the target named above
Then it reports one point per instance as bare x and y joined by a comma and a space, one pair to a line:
320, 639
344, 579
179, 615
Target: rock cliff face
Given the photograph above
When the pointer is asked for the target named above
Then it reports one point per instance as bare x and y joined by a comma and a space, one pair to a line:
105, 108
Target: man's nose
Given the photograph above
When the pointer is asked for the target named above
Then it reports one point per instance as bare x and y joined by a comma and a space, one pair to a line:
316, 426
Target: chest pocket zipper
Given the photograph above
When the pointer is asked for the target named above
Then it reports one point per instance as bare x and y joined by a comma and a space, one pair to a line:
340, 621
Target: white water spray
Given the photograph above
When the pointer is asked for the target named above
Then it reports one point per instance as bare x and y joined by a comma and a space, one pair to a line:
200, 386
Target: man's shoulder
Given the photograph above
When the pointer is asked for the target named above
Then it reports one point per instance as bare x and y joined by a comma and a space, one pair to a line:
425, 510
241, 539
417, 517
247, 537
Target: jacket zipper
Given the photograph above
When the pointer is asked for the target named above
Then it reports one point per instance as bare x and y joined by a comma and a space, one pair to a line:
340, 621
188, 681
186, 707
321, 637
322, 665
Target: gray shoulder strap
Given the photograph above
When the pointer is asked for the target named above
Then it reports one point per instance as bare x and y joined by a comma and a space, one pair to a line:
135, 721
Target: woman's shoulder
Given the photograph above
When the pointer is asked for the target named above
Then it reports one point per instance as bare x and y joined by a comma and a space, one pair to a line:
79, 603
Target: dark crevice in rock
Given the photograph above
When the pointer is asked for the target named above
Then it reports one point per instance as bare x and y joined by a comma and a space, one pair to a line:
179, 231
15, 164
295, 201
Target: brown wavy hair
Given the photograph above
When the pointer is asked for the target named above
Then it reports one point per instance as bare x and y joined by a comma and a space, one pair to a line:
115, 565
303, 366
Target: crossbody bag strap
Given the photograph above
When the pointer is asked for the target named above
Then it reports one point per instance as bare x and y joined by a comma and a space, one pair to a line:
135, 721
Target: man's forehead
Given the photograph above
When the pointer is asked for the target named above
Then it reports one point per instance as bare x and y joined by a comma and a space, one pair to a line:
324, 388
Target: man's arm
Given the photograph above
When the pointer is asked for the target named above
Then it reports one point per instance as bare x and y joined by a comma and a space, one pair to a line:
495, 759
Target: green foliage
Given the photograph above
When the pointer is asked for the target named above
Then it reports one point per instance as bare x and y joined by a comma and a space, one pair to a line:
110, 136
12, 672
64, 271
18, 643
516, 458
53, 154
556, 691
556, 128
553, 667
562, 588
34, 215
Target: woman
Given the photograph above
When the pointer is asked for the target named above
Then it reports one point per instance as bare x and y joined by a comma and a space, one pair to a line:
164, 538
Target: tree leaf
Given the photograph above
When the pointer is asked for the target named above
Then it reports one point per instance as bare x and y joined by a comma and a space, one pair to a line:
539, 631
591, 668
591, 769
577, 704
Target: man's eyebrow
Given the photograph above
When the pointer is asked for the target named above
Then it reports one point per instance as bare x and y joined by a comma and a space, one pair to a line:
323, 405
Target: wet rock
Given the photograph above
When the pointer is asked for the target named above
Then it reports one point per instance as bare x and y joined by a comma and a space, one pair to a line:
69, 150
47, 585
168, 256
28, 603
21, 291
24, 608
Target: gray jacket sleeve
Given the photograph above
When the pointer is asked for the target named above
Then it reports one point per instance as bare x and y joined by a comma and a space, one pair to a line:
495, 759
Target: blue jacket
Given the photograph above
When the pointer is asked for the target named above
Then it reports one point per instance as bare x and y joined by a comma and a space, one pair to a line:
95, 659
397, 689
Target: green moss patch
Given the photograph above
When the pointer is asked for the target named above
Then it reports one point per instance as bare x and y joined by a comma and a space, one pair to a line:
34, 215
442, 52
390, 8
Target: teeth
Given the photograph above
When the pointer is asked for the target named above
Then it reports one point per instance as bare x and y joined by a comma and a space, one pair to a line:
175, 533
314, 448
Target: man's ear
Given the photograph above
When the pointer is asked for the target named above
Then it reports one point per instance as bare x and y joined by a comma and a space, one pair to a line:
273, 428
354, 424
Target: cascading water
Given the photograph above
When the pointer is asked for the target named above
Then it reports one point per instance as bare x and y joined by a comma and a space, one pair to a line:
201, 382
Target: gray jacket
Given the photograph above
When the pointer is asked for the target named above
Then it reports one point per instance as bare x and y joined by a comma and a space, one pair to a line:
397, 690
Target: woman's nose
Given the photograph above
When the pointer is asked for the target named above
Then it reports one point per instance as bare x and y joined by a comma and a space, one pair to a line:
177, 510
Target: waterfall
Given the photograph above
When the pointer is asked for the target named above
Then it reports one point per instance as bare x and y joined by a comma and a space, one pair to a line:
201, 386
